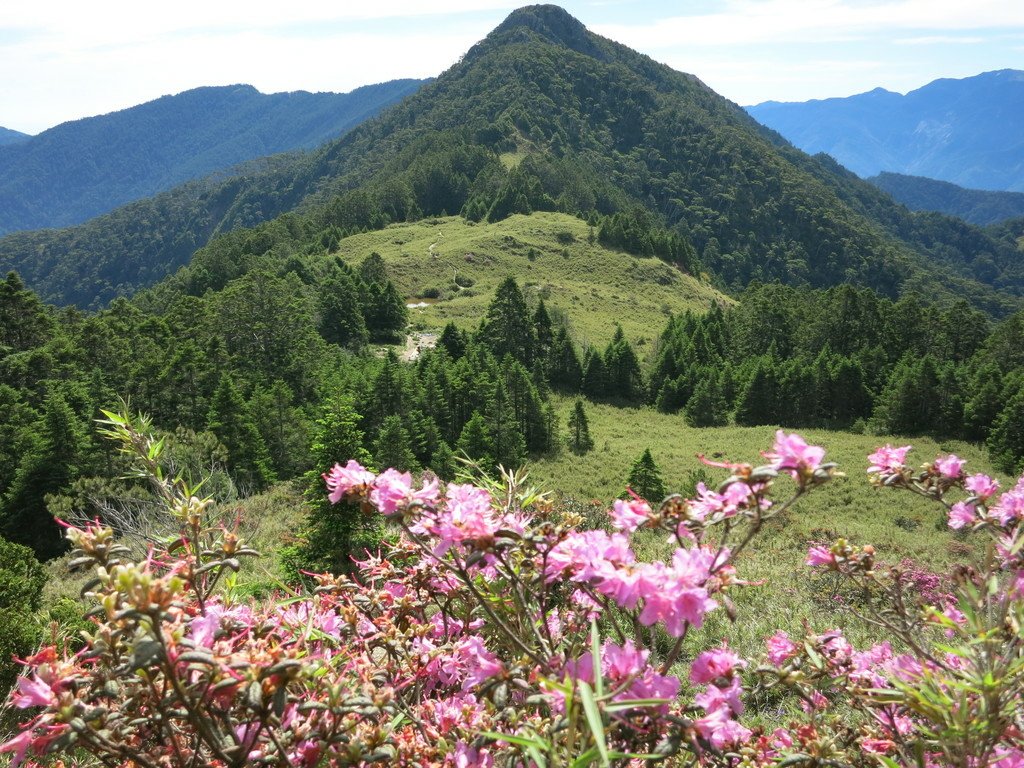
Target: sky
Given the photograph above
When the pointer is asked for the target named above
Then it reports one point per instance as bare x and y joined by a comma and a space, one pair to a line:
66, 59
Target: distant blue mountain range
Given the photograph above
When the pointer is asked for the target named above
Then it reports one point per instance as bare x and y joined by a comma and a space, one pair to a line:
7, 136
968, 132
80, 169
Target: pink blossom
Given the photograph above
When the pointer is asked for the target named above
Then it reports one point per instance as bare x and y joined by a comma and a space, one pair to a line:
479, 663
721, 730
715, 664
877, 746
888, 460
391, 490
33, 693
981, 485
711, 503
19, 745
960, 515
951, 466
344, 480
820, 556
1010, 506
780, 647
628, 515
792, 453
721, 697
466, 756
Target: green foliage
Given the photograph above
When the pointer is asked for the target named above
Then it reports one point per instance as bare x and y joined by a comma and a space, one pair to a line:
580, 441
21, 586
231, 420
645, 479
334, 531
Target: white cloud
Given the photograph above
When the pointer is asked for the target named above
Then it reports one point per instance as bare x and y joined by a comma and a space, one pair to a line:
756, 21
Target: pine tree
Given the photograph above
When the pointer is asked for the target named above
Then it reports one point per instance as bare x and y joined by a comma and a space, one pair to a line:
341, 317
392, 447
507, 328
443, 463
335, 530
594, 384
563, 368
54, 457
231, 420
475, 441
645, 479
580, 441
758, 402
1006, 441
706, 407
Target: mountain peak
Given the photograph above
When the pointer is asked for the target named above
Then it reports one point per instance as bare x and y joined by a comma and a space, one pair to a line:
550, 22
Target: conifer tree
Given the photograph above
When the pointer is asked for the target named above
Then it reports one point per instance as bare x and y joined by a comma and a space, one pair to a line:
645, 479
475, 441
54, 456
341, 318
706, 407
507, 328
1006, 441
543, 331
563, 368
580, 441
594, 384
442, 462
758, 402
392, 447
231, 420
335, 530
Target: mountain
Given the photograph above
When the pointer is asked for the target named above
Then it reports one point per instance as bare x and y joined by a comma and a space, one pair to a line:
80, 169
974, 205
542, 115
962, 131
8, 136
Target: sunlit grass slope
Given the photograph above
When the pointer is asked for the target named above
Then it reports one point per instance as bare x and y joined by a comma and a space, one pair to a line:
899, 525
550, 256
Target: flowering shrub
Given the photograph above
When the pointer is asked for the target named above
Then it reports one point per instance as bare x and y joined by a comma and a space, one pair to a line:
497, 633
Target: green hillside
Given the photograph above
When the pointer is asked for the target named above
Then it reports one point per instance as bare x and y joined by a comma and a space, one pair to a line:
454, 266
543, 115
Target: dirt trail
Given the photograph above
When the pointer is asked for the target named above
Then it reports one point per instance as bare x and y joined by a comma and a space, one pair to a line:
415, 343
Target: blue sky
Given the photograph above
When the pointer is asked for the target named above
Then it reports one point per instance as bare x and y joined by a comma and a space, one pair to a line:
65, 59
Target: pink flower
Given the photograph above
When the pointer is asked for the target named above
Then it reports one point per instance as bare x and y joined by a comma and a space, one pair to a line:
793, 454
981, 485
33, 693
344, 480
887, 459
960, 515
391, 490
820, 556
780, 647
877, 746
713, 665
19, 745
951, 466
628, 515
721, 730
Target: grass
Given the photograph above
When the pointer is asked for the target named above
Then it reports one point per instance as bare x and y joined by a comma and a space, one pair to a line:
785, 592
549, 254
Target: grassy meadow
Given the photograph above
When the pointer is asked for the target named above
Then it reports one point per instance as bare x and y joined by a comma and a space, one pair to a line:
900, 526
454, 266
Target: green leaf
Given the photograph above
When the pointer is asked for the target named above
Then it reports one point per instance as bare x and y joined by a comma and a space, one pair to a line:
595, 657
522, 741
594, 720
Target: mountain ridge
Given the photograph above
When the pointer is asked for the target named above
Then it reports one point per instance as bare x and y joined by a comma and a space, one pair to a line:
83, 168
540, 115
955, 130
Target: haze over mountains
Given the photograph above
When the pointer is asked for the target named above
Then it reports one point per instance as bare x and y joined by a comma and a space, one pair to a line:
545, 115
962, 131
976, 206
83, 168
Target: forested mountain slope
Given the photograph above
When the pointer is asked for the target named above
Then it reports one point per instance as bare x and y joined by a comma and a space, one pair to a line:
962, 131
83, 168
544, 115
976, 206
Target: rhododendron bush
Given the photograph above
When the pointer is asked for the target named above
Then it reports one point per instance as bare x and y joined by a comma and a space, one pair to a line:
496, 632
